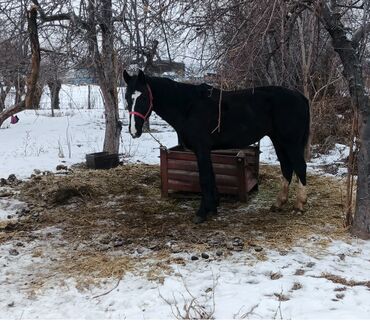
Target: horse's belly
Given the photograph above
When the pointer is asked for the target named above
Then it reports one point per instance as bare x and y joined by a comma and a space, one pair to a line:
235, 139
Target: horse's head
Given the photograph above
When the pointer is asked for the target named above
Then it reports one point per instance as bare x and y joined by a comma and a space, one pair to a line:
139, 101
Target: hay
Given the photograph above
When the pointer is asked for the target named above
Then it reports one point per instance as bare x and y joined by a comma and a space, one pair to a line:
88, 269
340, 280
112, 219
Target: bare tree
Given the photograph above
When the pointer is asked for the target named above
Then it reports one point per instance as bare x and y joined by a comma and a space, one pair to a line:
13, 50
31, 96
95, 22
106, 31
350, 53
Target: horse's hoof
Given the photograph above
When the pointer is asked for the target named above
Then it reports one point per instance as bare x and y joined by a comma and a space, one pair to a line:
212, 213
275, 208
198, 219
298, 211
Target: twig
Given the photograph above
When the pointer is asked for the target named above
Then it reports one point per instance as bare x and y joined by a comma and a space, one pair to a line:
192, 309
109, 291
279, 308
250, 312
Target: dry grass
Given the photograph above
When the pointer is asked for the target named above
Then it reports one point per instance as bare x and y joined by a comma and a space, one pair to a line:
340, 280
331, 123
115, 221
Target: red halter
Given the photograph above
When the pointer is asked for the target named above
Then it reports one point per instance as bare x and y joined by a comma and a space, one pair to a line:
150, 106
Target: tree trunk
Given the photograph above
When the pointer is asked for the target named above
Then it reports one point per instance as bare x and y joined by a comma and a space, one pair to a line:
353, 73
19, 90
32, 90
2, 104
3, 94
107, 77
361, 221
113, 127
33, 94
54, 87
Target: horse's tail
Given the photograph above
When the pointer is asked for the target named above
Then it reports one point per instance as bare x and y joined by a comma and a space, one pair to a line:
307, 138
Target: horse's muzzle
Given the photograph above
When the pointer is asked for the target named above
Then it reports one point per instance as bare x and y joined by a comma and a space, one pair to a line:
136, 135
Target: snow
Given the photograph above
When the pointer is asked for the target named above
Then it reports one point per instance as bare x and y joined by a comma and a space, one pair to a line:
39, 141
9, 207
238, 286
334, 157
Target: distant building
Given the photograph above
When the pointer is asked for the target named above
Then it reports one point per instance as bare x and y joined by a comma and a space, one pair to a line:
161, 67
81, 75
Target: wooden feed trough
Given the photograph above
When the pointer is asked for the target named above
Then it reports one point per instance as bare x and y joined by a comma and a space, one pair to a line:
236, 171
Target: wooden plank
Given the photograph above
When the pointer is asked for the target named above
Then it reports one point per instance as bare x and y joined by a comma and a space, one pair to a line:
186, 176
234, 151
251, 180
225, 169
174, 185
217, 155
251, 183
251, 159
181, 155
226, 180
192, 166
241, 179
186, 165
223, 159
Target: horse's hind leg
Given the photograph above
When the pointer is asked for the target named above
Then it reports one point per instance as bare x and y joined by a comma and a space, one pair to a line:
296, 156
287, 171
301, 197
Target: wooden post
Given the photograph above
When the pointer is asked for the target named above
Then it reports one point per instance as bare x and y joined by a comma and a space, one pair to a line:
257, 161
164, 171
240, 164
89, 97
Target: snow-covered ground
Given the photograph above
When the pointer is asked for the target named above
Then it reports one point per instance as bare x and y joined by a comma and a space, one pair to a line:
288, 286
39, 141
298, 284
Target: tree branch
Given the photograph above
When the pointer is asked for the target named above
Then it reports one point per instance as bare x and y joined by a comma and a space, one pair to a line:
360, 34
60, 17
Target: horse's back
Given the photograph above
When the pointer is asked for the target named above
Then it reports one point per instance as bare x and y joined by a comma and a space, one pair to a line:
290, 114
278, 96
274, 111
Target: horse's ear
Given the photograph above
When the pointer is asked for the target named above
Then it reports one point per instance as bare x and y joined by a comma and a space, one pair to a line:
141, 77
126, 76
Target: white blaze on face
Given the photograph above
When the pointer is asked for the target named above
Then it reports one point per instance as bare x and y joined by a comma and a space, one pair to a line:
134, 96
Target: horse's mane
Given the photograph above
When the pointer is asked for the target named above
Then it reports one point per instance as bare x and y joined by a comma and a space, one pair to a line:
202, 89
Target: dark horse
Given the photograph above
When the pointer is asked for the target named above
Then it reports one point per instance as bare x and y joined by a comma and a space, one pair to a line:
246, 116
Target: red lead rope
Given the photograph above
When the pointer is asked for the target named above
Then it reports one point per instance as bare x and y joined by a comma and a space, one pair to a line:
150, 106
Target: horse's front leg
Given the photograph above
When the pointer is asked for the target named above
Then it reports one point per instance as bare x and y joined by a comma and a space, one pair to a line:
179, 140
209, 202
